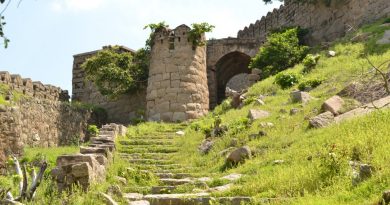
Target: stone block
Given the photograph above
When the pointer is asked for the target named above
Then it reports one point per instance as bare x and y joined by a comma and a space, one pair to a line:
333, 105
179, 116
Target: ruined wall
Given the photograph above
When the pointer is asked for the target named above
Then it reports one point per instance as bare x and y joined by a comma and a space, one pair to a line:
177, 85
41, 117
120, 110
325, 23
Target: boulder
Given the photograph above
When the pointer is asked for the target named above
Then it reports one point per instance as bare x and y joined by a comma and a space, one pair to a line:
267, 125
332, 53
257, 114
256, 71
259, 102
360, 172
206, 146
385, 39
322, 120
300, 97
334, 105
239, 155
294, 111
386, 197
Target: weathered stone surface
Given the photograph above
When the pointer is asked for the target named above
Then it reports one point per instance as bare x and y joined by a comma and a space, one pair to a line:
232, 177
300, 97
206, 146
133, 196
333, 105
239, 155
385, 39
108, 199
177, 89
365, 109
141, 202
89, 166
332, 53
322, 120
257, 114
386, 197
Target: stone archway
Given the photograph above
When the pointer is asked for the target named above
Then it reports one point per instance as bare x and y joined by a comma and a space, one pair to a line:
227, 67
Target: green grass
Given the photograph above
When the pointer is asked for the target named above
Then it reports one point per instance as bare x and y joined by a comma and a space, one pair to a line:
309, 174
50, 154
299, 180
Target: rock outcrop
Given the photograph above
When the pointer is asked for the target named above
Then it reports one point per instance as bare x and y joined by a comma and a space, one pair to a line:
90, 165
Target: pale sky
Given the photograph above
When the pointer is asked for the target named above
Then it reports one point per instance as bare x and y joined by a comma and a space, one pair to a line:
45, 34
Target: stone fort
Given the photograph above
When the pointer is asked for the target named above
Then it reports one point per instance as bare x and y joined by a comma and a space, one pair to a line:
185, 82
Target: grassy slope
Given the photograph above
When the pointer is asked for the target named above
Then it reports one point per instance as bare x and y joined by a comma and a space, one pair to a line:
299, 180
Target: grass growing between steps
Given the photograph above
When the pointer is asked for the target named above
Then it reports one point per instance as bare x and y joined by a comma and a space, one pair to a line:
315, 168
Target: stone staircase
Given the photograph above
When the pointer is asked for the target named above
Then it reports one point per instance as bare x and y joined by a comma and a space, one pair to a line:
153, 154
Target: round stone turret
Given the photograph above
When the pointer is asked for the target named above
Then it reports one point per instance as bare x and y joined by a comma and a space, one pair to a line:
177, 86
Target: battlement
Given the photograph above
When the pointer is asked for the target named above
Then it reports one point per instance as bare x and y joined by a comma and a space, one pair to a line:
34, 89
174, 38
325, 22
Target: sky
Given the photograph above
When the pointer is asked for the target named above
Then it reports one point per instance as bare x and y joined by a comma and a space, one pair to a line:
45, 34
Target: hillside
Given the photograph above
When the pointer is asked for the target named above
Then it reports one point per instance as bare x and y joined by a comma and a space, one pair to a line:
313, 166
290, 163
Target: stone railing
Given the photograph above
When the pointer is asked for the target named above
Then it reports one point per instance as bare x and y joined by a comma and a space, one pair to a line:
33, 89
90, 164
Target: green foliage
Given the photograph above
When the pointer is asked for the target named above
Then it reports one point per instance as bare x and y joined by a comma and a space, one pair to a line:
387, 20
93, 130
114, 72
310, 84
286, 80
223, 107
310, 62
2, 24
154, 27
281, 51
198, 29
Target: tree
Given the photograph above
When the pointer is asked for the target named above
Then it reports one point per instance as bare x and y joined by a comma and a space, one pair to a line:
281, 51
2, 24
115, 72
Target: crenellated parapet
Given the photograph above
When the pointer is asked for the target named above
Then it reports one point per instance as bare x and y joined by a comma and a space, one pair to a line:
325, 22
34, 89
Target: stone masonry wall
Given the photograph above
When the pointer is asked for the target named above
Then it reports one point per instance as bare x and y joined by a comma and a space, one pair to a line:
325, 23
39, 118
177, 85
120, 110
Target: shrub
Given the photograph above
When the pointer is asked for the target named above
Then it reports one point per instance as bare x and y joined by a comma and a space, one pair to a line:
386, 20
115, 72
309, 84
281, 51
93, 130
286, 80
310, 62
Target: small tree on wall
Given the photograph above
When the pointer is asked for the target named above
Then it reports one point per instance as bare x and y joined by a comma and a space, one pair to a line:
281, 51
115, 72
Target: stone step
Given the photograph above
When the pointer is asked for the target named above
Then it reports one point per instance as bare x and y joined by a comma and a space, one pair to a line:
173, 175
102, 140
146, 142
162, 189
176, 182
103, 132
148, 150
151, 161
183, 199
155, 156
178, 199
158, 166
160, 170
149, 146
154, 137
